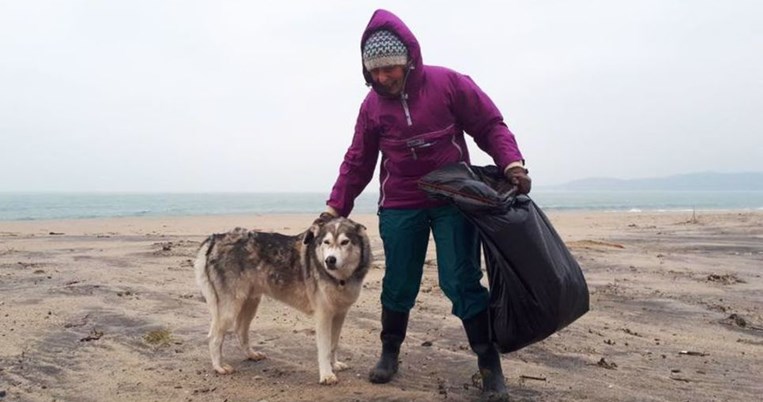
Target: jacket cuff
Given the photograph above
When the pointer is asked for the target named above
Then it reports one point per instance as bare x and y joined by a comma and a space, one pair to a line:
514, 164
332, 211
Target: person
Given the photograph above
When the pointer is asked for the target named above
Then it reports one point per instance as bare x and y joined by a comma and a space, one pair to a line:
415, 116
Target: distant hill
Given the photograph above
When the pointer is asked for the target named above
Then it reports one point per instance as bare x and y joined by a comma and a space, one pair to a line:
707, 181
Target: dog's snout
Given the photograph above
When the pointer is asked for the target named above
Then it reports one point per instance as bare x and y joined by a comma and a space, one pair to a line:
331, 262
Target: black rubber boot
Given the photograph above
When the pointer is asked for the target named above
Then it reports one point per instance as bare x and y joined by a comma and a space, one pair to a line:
394, 325
488, 360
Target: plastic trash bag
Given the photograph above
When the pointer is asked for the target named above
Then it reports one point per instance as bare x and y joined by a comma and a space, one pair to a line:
536, 286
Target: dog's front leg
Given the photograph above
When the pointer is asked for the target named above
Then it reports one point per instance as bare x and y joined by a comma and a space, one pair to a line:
323, 324
336, 329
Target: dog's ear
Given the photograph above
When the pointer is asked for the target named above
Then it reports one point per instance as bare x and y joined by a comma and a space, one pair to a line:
359, 227
311, 233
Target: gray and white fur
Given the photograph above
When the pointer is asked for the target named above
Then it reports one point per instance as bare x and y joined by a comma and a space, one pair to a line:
319, 272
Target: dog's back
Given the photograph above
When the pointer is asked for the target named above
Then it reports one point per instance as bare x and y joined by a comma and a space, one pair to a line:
243, 263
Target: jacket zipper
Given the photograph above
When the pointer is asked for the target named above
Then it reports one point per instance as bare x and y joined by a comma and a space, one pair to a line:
455, 144
406, 109
404, 101
384, 183
404, 97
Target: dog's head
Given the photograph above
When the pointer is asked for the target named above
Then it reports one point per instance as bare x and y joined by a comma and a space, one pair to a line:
341, 246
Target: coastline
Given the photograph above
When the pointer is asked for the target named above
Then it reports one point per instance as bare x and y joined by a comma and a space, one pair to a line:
49, 206
674, 316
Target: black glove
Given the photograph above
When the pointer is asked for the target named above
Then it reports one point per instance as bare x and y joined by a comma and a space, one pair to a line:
518, 177
323, 218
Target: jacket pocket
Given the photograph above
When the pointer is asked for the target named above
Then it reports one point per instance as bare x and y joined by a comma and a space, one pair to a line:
417, 155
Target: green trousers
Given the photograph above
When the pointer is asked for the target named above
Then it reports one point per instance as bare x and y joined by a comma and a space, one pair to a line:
405, 234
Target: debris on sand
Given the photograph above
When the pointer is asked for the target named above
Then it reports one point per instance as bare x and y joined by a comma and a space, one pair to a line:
442, 388
204, 390
607, 365
593, 244
750, 341
680, 379
93, 336
725, 279
691, 353
477, 380
158, 337
531, 377
737, 320
629, 332
81, 322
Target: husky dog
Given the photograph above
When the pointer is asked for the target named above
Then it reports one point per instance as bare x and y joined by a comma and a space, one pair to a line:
319, 272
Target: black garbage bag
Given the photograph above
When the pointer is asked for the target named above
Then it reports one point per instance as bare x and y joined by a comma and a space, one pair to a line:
536, 286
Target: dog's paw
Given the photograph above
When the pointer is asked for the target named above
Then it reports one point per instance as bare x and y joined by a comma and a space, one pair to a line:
329, 379
256, 356
339, 366
224, 369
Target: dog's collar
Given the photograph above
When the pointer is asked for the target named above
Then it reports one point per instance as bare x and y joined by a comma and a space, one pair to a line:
340, 283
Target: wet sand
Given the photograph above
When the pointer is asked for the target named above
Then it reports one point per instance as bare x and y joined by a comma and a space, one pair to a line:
107, 309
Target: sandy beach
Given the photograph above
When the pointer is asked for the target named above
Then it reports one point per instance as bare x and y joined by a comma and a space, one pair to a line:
107, 309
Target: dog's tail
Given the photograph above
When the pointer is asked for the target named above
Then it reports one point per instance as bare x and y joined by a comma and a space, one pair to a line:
202, 275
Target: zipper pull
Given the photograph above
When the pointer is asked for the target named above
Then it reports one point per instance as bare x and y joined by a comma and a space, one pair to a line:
413, 152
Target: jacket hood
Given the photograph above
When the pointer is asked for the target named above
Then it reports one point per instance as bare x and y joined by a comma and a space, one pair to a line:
383, 19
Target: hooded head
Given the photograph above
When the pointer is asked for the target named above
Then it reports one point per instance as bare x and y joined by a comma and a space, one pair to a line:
383, 42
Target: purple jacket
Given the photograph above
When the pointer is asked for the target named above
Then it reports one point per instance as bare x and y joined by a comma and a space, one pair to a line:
417, 132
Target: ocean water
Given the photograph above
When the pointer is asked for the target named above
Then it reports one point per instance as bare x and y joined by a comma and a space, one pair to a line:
41, 206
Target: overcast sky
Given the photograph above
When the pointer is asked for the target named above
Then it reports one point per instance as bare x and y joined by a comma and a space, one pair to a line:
250, 96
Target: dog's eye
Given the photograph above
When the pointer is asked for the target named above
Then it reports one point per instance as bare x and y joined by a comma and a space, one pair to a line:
326, 242
345, 242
